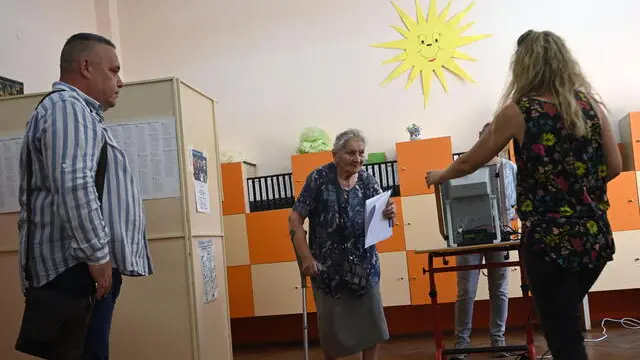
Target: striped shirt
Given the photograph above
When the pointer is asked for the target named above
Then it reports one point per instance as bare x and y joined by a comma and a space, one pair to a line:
65, 135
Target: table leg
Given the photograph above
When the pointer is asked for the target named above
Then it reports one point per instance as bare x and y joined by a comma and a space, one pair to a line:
433, 294
586, 312
524, 285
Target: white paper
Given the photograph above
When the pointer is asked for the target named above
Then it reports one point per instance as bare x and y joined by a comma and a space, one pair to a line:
152, 153
202, 197
377, 227
9, 174
208, 267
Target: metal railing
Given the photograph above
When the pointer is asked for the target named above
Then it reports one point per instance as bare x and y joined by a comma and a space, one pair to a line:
274, 192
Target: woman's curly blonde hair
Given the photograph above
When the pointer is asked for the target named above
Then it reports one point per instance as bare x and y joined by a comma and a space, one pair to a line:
543, 64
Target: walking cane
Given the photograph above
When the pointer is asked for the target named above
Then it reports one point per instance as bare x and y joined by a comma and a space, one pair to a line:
305, 325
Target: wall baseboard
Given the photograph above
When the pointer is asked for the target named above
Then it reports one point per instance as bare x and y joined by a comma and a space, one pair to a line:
414, 320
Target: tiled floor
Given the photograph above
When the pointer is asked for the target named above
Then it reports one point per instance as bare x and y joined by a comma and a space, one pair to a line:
621, 344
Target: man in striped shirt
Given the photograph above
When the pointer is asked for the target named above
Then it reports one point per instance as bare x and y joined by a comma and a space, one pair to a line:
80, 243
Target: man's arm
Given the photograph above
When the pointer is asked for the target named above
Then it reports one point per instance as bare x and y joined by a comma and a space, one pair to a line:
71, 141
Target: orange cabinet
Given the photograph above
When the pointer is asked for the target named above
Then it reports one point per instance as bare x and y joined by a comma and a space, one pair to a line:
240, 291
446, 283
629, 127
268, 237
303, 164
416, 157
624, 213
234, 194
396, 242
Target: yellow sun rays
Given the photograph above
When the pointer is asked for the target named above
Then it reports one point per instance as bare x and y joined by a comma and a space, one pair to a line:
429, 45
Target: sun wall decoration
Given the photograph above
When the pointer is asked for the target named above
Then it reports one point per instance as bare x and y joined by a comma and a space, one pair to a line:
430, 44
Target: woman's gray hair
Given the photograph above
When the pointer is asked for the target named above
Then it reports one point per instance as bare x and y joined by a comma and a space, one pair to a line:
344, 137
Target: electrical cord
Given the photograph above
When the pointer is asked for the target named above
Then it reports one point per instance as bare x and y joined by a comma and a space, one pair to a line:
627, 323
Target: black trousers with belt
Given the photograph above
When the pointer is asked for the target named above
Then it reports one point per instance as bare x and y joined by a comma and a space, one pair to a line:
558, 294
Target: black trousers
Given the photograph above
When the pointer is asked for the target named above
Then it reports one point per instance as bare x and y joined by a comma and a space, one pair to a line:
557, 294
77, 281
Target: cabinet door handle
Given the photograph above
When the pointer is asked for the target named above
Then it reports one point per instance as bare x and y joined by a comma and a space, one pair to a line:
408, 223
413, 277
630, 200
405, 168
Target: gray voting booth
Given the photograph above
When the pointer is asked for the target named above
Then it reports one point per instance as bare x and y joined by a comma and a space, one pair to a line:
473, 208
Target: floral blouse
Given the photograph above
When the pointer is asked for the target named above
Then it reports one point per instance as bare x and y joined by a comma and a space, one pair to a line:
337, 231
562, 187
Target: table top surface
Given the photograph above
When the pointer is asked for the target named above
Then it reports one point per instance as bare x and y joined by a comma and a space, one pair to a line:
506, 245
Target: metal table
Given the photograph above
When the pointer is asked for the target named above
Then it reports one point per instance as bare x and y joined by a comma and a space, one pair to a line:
441, 352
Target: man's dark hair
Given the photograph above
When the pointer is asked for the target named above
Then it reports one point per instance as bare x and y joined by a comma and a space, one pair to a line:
78, 45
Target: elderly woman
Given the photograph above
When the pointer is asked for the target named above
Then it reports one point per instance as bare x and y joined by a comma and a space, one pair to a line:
566, 154
345, 275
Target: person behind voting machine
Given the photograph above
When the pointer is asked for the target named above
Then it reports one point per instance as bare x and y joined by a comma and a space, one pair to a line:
497, 277
344, 274
566, 154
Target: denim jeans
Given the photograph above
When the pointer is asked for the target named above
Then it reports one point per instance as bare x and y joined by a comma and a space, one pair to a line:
498, 295
96, 345
557, 294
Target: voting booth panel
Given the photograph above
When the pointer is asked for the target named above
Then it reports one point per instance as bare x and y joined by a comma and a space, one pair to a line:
181, 311
474, 210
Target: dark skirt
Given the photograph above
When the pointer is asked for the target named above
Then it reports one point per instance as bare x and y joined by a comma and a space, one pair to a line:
348, 325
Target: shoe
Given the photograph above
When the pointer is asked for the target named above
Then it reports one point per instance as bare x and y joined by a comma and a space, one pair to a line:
459, 345
498, 355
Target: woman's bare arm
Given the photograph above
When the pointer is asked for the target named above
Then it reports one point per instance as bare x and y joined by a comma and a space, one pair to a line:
609, 145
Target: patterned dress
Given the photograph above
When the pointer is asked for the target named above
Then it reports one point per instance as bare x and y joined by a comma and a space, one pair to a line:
562, 187
346, 291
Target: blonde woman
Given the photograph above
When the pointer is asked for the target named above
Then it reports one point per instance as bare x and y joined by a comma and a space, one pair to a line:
566, 154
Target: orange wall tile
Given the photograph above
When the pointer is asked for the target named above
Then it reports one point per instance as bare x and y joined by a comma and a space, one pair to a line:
240, 291
233, 189
268, 235
416, 157
303, 164
311, 303
446, 283
396, 242
624, 213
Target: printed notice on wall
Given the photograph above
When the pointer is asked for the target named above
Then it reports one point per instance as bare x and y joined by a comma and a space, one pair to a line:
200, 176
152, 152
9, 174
208, 267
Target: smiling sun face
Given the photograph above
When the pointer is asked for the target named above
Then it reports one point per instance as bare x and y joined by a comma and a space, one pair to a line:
429, 44
429, 47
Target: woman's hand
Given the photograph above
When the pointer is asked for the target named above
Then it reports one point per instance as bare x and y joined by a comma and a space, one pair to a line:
389, 211
309, 266
433, 177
